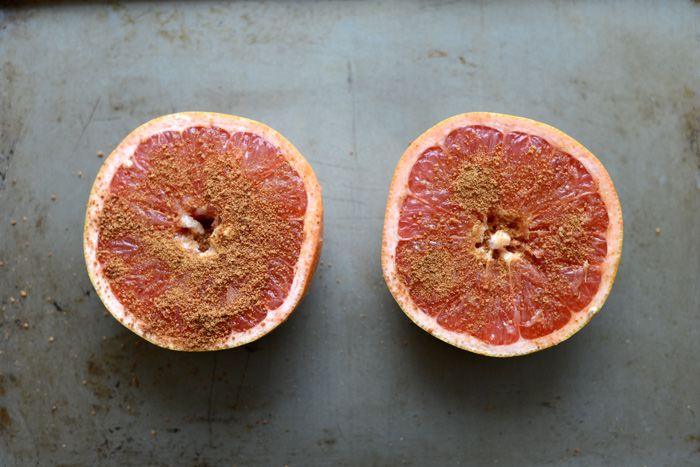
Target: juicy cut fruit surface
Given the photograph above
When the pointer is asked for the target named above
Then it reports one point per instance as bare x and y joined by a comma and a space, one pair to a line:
502, 235
203, 231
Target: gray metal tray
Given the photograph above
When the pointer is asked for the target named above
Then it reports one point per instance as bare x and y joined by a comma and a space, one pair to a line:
348, 380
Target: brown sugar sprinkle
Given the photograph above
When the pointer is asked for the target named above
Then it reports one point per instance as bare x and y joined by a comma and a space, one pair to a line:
50, 339
53, 197
476, 188
434, 271
100, 153
249, 239
23, 293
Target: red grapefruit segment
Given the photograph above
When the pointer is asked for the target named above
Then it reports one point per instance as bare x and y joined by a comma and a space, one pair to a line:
502, 235
203, 231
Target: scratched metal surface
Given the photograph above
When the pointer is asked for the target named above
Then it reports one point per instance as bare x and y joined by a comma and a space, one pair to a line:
348, 380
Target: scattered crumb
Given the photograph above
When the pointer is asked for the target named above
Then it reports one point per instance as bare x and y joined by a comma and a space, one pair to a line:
80, 174
12, 299
100, 153
104, 338
167, 419
93, 412
53, 197
576, 450
13, 222
264, 422
128, 407
23, 293
363, 315
50, 339
49, 253
53, 408
26, 243
658, 230
0, 263
153, 432
136, 382
84, 383
75, 356
48, 299
24, 219
106, 314
14, 181
26, 325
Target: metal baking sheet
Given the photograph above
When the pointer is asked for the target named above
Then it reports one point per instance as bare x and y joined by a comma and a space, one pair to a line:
348, 379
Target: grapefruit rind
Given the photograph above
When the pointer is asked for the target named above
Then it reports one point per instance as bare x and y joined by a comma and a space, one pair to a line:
504, 123
313, 222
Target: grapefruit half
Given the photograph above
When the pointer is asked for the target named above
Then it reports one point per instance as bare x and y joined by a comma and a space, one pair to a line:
502, 235
203, 231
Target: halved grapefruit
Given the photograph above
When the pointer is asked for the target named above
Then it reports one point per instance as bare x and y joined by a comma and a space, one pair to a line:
502, 235
203, 231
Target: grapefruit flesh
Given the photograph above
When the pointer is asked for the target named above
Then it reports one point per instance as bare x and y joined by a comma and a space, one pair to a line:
203, 231
502, 235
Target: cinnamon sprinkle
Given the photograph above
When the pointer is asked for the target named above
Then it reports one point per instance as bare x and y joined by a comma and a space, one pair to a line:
475, 187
